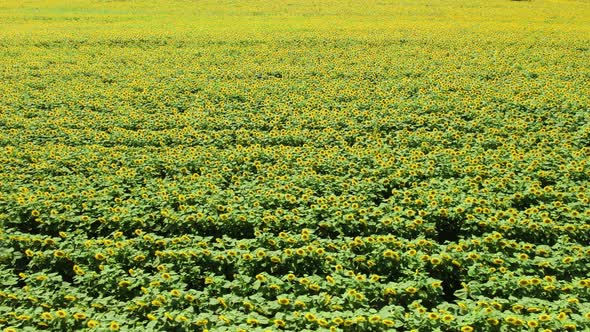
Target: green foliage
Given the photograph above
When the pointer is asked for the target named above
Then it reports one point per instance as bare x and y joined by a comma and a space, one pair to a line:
302, 167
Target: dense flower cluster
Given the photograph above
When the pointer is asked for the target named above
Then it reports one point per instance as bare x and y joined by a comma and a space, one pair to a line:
295, 166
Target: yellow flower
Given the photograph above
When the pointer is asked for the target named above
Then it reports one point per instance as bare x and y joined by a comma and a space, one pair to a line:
532, 323
222, 301
248, 306
338, 320
498, 261
512, 320
388, 322
544, 317
100, 256
78, 270
202, 322
314, 287
124, 283
114, 326
447, 318
466, 328
47, 316
435, 260
61, 314
432, 316
79, 316
389, 291
59, 253
390, 254
299, 303
283, 301
275, 259
304, 281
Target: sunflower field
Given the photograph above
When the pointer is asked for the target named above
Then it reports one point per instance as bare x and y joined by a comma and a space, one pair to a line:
283, 165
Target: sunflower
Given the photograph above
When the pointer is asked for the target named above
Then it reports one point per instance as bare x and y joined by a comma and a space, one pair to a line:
80, 316
61, 313
447, 318
544, 317
92, 324
46, 316
283, 301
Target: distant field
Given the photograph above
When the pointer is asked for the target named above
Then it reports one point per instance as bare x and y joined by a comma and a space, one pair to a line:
295, 165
